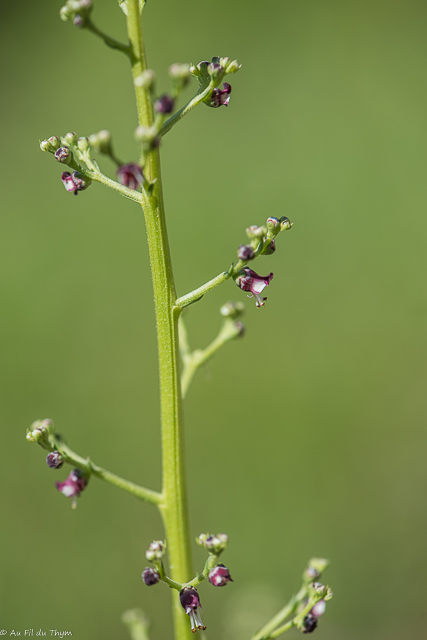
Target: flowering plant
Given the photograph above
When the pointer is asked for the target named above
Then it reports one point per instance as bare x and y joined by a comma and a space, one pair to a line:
141, 182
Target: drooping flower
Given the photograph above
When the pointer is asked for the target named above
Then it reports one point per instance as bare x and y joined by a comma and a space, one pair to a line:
150, 576
73, 485
130, 175
190, 602
75, 182
219, 576
249, 280
219, 96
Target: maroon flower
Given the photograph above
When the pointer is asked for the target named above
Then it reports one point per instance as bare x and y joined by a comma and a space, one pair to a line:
220, 97
245, 252
309, 624
130, 175
150, 576
249, 280
75, 182
190, 602
219, 576
73, 485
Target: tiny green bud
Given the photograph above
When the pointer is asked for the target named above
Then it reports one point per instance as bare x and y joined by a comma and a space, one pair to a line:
83, 144
46, 146
201, 539
319, 565
232, 310
101, 141
145, 79
269, 248
55, 142
273, 226
224, 62
318, 589
70, 138
329, 594
215, 71
256, 232
39, 430
285, 223
233, 67
146, 134
180, 74
216, 544
65, 13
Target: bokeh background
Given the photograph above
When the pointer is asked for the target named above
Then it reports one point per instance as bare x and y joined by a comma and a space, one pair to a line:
305, 438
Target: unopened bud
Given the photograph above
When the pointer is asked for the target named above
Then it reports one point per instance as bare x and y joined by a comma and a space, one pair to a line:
71, 138
83, 144
318, 589
233, 67
245, 252
273, 226
232, 310
180, 74
240, 329
201, 539
256, 232
145, 79
150, 576
219, 576
285, 223
54, 460
79, 21
64, 155
316, 567
215, 70
309, 624
164, 104
156, 551
101, 141
270, 248
146, 134
65, 13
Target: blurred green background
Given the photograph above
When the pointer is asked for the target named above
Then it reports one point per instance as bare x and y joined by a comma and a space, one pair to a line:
305, 438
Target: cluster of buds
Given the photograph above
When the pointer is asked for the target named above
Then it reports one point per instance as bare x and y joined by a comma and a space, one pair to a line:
40, 431
314, 570
214, 544
212, 74
262, 241
317, 592
156, 551
65, 149
232, 312
78, 11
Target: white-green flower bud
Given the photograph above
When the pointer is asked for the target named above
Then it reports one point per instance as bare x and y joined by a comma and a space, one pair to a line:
71, 138
83, 144
233, 67
65, 13
146, 79
256, 232
46, 146
285, 223
180, 71
232, 310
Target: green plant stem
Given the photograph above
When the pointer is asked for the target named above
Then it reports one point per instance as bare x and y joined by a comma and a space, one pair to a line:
284, 613
174, 506
74, 459
292, 623
111, 42
196, 100
194, 360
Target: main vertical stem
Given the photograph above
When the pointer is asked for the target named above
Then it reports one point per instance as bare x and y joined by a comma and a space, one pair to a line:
174, 506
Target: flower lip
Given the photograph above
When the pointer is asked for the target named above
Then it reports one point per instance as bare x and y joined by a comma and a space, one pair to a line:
220, 97
249, 280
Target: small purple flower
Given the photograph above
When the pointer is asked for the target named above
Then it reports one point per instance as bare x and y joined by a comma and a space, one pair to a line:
190, 602
164, 104
75, 182
220, 97
73, 485
54, 460
130, 175
245, 252
150, 576
250, 281
219, 576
